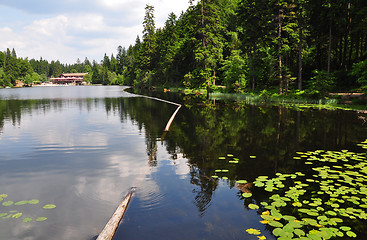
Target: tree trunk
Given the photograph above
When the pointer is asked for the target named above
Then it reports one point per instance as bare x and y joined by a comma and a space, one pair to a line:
350, 52
110, 229
340, 51
345, 50
214, 77
300, 63
357, 48
203, 23
329, 51
281, 83
252, 64
350, 30
286, 78
346, 37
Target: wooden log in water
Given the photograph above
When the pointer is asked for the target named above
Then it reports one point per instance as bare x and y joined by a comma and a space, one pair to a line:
110, 229
172, 118
173, 115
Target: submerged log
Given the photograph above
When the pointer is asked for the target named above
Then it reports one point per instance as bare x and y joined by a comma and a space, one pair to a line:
246, 188
110, 229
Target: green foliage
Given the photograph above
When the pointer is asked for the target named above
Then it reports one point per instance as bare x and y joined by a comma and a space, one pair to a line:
255, 44
359, 71
234, 72
320, 83
147, 51
31, 79
117, 80
88, 77
144, 78
4, 81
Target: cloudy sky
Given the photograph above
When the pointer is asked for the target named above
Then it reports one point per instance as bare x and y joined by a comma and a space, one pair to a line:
71, 29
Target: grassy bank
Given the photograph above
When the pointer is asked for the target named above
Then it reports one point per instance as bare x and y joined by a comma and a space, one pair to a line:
294, 99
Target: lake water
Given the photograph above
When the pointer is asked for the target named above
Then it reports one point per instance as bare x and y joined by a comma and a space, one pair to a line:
83, 148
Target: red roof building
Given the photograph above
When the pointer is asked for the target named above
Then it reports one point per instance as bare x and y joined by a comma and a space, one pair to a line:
69, 79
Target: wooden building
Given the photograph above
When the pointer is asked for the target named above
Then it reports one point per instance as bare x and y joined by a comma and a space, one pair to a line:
69, 79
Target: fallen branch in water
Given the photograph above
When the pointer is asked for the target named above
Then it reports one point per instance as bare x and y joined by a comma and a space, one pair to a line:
171, 119
110, 229
165, 101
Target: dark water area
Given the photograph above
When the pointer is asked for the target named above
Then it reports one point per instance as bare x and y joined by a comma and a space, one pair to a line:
83, 148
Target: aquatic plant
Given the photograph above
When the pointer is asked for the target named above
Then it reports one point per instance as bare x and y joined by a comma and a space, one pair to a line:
327, 200
324, 203
15, 214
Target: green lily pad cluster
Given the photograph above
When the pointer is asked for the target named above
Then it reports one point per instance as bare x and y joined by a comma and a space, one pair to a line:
228, 160
220, 173
15, 214
325, 202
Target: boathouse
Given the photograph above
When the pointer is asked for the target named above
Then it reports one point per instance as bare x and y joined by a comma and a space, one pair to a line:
69, 79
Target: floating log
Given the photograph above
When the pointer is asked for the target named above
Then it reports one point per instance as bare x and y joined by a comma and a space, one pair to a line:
110, 229
171, 119
173, 115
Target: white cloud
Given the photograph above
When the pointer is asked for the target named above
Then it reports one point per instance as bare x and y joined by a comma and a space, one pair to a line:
48, 28
67, 31
118, 5
9, 38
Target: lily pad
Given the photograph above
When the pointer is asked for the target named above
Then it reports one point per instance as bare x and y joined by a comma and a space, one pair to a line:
278, 232
2, 196
275, 224
20, 203
253, 206
8, 203
27, 219
41, 219
253, 231
241, 181
351, 234
345, 228
299, 232
17, 215
33, 201
247, 195
49, 206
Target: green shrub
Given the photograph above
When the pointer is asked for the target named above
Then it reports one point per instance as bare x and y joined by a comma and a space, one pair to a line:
321, 83
359, 71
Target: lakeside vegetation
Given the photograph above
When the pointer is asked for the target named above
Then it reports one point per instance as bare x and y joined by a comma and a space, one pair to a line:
298, 48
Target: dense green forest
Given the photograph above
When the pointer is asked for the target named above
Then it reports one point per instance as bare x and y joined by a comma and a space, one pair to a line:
308, 47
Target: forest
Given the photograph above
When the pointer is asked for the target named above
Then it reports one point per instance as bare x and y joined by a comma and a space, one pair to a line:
282, 46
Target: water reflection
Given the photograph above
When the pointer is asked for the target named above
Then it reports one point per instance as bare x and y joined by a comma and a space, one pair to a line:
71, 153
83, 153
204, 132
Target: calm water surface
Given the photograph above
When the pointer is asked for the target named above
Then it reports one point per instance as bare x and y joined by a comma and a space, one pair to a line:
83, 148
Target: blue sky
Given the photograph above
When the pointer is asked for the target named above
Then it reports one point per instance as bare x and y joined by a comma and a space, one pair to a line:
71, 29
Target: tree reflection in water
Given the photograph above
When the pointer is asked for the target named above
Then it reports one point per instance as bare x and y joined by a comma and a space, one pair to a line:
204, 131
